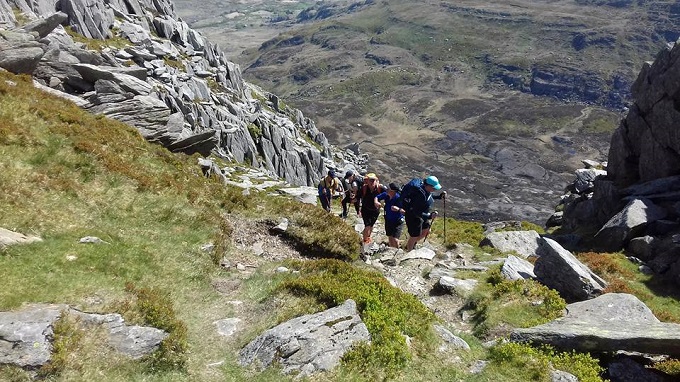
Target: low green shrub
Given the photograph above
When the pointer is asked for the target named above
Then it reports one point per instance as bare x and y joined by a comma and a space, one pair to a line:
388, 313
535, 363
520, 303
669, 366
314, 232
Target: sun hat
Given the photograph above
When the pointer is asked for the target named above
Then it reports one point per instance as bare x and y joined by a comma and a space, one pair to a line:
349, 173
433, 181
393, 187
371, 175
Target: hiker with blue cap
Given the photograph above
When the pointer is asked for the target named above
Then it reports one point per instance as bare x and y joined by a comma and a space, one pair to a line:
416, 200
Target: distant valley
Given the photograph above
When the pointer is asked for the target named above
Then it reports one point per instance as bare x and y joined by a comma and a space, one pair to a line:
501, 101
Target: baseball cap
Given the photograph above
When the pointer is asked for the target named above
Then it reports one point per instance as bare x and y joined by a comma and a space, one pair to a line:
349, 173
393, 187
433, 181
331, 173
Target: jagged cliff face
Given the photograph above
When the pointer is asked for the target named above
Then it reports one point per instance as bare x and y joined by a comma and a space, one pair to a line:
163, 78
647, 144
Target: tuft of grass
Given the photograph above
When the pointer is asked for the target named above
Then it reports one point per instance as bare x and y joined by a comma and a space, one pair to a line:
96, 44
499, 303
388, 313
255, 131
20, 17
178, 64
65, 340
154, 308
458, 231
533, 364
313, 231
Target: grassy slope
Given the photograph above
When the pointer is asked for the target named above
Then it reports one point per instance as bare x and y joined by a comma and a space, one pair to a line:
65, 174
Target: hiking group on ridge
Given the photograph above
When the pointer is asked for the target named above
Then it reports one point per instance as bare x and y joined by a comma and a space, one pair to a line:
408, 206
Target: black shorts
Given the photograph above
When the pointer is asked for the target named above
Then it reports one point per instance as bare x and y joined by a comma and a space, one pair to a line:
370, 217
416, 225
394, 228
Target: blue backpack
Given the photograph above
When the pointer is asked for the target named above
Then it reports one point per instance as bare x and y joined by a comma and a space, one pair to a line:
409, 191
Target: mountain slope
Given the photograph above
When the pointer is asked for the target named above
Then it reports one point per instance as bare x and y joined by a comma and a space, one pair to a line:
451, 88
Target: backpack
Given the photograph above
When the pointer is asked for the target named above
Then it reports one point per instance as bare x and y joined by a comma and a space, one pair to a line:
410, 189
332, 186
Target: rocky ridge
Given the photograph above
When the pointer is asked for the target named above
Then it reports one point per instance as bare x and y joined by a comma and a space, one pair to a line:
632, 201
157, 74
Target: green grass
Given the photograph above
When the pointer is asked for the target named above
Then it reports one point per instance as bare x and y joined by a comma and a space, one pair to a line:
499, 305
457, 231
66, 174
96, 44
623, 276
534, 363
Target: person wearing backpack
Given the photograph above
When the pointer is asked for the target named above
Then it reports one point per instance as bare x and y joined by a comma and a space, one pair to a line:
394, 214
417, 199
351, 186
327, 188
370, 207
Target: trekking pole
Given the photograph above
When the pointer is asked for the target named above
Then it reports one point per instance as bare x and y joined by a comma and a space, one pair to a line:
444, 219
428, 232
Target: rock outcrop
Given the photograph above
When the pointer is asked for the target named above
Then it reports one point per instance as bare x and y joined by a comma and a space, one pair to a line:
611, 322
308, 343
162, 77
8, 238
634, 203
26, 335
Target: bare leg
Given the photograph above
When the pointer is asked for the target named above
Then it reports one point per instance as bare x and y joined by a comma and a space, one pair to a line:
412, 242
393, 242
366, 234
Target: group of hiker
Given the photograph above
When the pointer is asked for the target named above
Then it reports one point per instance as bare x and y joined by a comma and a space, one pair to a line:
409, 205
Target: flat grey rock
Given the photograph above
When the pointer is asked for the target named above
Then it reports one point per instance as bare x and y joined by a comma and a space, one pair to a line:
611, 322
8, 238
524, 243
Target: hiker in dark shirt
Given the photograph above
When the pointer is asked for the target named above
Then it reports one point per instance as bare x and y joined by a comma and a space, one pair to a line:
418, 216
370, 207
351, 186
394, 214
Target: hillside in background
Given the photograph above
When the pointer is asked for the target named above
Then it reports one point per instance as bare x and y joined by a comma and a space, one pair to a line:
501, 101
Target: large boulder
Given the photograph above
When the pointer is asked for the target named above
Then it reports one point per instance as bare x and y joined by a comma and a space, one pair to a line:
558, 269
628, 223
308, 343
524, 243
19, 52
611, 322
